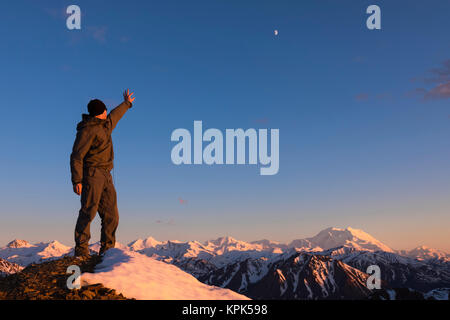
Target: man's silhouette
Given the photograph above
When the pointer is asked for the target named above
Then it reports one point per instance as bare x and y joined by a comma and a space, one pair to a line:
91, 162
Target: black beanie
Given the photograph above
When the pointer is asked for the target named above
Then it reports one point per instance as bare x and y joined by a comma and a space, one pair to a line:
96, 107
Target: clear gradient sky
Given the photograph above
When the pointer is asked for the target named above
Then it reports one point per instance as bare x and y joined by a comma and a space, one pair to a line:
364, 116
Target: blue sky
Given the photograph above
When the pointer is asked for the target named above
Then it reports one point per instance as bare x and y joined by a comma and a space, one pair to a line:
363, 115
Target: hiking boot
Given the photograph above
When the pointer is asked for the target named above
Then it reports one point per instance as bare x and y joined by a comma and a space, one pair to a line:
102, 252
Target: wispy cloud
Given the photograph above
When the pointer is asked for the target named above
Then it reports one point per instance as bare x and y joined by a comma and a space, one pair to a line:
441, 91
57, 13
169, 222
437, 81
441, 74
98, 33
124, 39
362, 96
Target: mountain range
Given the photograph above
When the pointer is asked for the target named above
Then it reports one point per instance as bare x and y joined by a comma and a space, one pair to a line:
330, 265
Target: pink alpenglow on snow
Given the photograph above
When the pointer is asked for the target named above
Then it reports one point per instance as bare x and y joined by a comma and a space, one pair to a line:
138, 276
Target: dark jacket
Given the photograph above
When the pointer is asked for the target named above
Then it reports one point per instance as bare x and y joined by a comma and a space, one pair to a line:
93, 145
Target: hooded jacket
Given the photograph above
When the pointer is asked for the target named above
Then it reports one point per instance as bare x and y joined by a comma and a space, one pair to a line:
93, 145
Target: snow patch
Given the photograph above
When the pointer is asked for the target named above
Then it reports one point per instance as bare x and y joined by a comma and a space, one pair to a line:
138, 276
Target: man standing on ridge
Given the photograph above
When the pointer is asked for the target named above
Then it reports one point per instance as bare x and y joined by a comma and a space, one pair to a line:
91, 163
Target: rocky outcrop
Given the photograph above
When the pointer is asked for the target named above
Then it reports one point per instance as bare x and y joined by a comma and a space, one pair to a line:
47, 281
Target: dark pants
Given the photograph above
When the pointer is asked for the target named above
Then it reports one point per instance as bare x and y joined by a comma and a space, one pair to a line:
98, 195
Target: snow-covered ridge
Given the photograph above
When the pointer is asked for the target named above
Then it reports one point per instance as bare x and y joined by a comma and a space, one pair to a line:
141, 277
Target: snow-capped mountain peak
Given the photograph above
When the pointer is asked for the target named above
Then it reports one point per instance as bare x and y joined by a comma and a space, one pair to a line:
52, 249
270, 245
140, 244
426, 253
349, 237
222, 241
226, 244
24, 253
17, 243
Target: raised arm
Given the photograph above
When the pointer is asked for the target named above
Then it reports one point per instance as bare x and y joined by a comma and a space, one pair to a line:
117, 113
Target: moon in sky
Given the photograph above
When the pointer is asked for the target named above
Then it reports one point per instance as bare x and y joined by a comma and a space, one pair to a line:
275, 32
